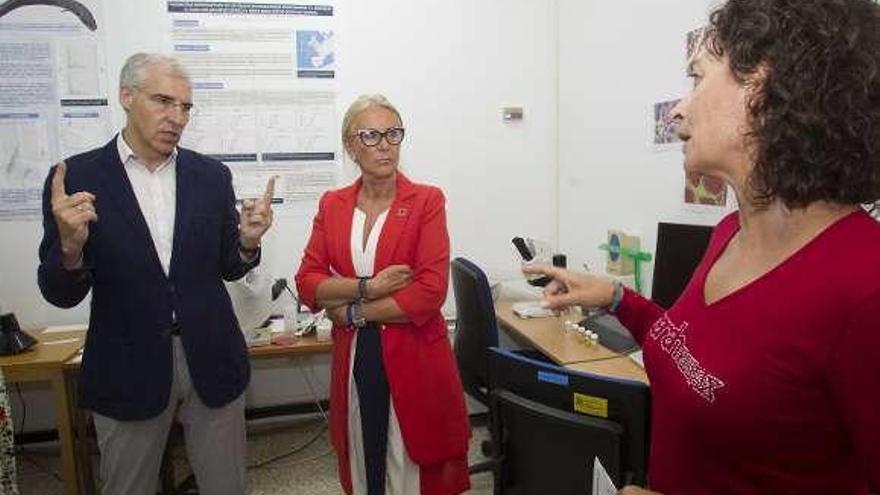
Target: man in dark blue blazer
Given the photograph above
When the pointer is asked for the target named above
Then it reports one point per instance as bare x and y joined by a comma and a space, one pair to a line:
152, 230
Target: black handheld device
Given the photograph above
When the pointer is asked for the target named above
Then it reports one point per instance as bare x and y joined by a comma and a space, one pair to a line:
527, 255
523, 249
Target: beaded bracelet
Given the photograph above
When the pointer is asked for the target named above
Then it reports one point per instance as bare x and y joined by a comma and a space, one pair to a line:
616, 296
362, 288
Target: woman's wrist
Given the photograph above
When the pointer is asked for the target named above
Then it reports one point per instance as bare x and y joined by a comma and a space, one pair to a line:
616, 296
354, 315
363, 288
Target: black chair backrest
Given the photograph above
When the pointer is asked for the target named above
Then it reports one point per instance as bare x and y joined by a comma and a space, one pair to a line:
606, 406
476, 329
547, 450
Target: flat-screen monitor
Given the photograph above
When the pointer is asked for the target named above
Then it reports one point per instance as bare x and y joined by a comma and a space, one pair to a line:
680, 247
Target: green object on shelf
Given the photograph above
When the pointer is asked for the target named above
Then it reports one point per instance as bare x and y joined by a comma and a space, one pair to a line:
636, 255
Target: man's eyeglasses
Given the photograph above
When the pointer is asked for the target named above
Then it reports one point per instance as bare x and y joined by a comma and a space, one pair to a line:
168, 103
372, 137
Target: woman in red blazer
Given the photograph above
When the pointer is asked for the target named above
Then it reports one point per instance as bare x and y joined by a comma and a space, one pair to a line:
378, 262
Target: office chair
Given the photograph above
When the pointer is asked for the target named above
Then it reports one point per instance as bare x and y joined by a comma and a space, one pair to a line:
475, 331
549, 423
476, 328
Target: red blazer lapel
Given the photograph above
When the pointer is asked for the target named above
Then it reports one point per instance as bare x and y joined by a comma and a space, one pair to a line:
341, 230
399, 214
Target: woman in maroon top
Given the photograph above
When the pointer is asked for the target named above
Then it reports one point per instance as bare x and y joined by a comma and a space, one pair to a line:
764, 373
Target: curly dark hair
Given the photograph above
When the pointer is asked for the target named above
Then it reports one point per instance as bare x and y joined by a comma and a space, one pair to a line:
815, 116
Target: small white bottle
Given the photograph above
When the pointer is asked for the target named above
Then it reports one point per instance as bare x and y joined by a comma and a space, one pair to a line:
291, 316
323, 329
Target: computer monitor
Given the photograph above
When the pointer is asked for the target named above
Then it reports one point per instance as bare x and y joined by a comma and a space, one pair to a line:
680, 247
550, 422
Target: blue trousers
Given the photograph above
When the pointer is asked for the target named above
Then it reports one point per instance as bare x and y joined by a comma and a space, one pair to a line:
375, 402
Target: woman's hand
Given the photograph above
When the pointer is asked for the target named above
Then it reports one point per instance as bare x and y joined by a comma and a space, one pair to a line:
571, 288
635, 490
338, 315
388, 281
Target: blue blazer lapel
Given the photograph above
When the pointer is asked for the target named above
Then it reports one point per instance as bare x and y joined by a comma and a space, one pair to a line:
118, 188
183, 203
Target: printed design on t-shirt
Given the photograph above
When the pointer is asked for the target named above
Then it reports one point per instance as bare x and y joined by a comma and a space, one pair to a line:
673, 340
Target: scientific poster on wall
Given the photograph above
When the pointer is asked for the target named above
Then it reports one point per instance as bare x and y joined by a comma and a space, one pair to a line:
264, 92
53, 94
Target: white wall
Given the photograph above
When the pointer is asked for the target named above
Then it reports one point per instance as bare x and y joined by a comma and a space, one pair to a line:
616, 59
449, 66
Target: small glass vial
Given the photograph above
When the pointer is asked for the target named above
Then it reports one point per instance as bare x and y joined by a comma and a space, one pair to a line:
291, 317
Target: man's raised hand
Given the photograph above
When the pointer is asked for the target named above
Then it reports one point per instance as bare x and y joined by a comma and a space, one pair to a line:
256, 217
72, 213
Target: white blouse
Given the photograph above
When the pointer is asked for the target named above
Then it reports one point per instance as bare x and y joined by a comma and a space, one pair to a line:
401, 473
365, 258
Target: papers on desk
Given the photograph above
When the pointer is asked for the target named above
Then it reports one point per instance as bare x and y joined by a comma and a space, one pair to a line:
258, 336
77, 358
62, 341
79, 327
637, 358
531, 309
602, 483
263, 336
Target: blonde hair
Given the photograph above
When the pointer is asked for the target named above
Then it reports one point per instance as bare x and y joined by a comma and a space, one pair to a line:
358, 106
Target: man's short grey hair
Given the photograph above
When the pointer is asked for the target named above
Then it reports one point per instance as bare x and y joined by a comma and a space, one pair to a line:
133, 72
362, 103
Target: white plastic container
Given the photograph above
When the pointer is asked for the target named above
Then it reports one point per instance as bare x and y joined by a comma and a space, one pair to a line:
322, 330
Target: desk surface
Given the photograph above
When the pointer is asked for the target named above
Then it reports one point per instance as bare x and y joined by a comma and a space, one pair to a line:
301, 346
53, 349
619, 367
567, 348
46, 362
547, 335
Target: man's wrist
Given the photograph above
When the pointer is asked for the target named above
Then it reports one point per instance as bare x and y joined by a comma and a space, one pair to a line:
71, 264
71, 259
248, 247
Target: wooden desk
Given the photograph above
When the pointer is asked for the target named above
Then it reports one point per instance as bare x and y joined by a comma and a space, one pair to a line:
45, 362
303, 346
547, 335
618, 367
566, 348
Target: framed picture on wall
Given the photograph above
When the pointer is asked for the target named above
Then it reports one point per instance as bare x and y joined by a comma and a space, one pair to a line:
664, 126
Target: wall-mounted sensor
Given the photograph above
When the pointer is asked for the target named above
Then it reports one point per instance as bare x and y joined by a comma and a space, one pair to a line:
511, 114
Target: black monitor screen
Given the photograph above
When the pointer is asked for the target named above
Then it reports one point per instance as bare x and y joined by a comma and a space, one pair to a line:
680, 248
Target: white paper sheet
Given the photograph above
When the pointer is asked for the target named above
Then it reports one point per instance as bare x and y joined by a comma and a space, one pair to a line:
78, 327
602, 483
